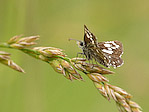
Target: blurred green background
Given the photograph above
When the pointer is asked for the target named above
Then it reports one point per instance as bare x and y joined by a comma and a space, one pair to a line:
43, 90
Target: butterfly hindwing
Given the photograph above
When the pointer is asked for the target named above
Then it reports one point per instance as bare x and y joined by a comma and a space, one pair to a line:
113, 51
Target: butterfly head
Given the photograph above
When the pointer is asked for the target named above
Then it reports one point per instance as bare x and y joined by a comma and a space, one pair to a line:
80, 44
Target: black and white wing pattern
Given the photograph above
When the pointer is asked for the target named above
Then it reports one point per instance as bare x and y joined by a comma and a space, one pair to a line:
113, 51
89, 38
91, 50
90, 43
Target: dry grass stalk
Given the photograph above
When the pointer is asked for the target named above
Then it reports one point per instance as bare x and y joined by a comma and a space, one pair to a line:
66, 66
20, 43
5, 59
95, 73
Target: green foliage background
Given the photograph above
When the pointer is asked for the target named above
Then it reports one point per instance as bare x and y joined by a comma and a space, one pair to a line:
43, 90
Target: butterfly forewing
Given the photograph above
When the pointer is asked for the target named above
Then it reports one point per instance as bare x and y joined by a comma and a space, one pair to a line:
89, 38
100, 57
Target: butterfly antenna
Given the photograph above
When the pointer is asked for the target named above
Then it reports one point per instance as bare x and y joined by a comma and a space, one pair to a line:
73, 39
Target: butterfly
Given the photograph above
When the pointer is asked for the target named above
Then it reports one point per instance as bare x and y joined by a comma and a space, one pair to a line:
105, 53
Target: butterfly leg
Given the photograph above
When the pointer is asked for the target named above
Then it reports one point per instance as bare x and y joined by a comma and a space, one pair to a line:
92, 63
96, 61
79, 56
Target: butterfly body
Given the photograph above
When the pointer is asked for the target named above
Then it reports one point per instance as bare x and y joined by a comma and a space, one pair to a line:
106, 53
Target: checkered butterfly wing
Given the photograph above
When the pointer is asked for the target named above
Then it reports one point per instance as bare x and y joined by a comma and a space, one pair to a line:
89, 39
91, 50
106, 53
113, 51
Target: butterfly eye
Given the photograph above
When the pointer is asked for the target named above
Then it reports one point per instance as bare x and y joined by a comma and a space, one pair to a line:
81, 43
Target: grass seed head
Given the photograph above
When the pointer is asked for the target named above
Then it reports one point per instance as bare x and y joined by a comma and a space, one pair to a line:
70, 69
49, 51
28, 39
14, 39
11, 64
97, 77
120, 91
57, 66
4, 53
